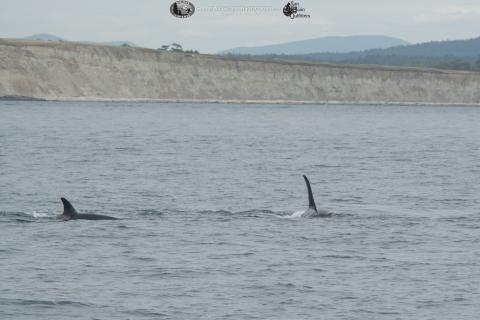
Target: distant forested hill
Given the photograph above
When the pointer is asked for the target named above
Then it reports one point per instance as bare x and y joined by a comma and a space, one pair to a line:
455, 48
457, 55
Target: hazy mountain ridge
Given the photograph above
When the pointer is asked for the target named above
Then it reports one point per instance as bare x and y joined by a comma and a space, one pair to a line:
324, 44
44, 37
52, 37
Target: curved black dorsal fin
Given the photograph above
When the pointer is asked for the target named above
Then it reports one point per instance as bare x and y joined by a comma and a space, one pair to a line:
68, 209
311, 201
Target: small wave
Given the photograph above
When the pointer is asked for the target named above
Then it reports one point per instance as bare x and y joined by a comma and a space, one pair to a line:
145, 259
9, 216
256, 213
286, 284
220, 212
146, 312
150, 212
295, 215
225, 256
36, 214
253, 213
322, 214
460, 218
350, 200
45, 303
337, 256
328, 166
128, 149
377, 312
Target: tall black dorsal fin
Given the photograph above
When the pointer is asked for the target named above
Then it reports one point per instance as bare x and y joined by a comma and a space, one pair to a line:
68, 209
311, 201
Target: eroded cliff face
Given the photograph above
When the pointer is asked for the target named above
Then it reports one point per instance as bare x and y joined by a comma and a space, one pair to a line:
77, 71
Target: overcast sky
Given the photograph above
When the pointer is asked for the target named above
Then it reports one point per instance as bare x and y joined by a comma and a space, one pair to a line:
149, 23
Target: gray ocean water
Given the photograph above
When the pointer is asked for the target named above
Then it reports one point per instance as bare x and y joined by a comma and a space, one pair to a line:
210, 196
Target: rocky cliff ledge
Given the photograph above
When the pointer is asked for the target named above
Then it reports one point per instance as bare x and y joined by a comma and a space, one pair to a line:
79, 71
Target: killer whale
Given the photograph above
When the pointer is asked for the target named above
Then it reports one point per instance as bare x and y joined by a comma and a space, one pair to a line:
312, 211
69, 213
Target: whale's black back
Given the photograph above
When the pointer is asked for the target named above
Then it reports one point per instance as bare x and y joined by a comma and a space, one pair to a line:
87, 216
69, 213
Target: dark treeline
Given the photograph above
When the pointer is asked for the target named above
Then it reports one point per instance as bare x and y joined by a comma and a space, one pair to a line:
451, 55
